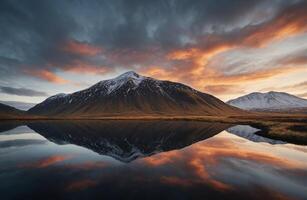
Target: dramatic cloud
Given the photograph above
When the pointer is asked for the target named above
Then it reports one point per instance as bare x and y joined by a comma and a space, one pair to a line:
21, 91
175, 40
289, 22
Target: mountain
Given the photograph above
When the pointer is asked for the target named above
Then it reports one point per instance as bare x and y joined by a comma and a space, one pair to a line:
127, 140
8, 111
19, 105
132, 94
268, 101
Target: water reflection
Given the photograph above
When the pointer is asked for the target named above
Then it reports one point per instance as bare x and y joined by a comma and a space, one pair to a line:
249, 133
171, 160
128, 140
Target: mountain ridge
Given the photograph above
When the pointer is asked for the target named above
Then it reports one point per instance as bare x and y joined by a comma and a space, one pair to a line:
9, 111
24, 106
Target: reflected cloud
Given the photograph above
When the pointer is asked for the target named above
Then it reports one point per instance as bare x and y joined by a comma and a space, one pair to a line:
201, 162
48, 161
7, 127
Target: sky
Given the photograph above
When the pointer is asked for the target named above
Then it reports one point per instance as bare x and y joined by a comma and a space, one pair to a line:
225, 48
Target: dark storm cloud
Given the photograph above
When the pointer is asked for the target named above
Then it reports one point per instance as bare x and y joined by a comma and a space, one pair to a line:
164, 23
21, 91
36, 36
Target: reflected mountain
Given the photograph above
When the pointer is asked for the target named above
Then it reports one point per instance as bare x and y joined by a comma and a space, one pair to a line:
15, 130
7, 125
127, 140
250, 133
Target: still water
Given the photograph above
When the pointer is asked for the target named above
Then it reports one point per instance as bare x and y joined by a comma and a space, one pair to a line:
147, 160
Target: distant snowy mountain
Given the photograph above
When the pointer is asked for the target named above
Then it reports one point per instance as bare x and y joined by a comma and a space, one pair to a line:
268, 101
133, 94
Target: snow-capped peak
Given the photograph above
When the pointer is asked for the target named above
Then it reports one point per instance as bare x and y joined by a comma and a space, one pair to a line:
129, 74
117, 82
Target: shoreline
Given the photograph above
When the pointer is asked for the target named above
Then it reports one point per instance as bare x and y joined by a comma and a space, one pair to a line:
230, 118
286, 127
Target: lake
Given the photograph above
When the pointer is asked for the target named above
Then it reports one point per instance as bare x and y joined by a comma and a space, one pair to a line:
147, 160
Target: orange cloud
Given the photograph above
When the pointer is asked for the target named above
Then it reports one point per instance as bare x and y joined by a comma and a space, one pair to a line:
81, 48
48, 76
198, 57
157, 160
160, 72
216, 81
183, 54
201, 171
